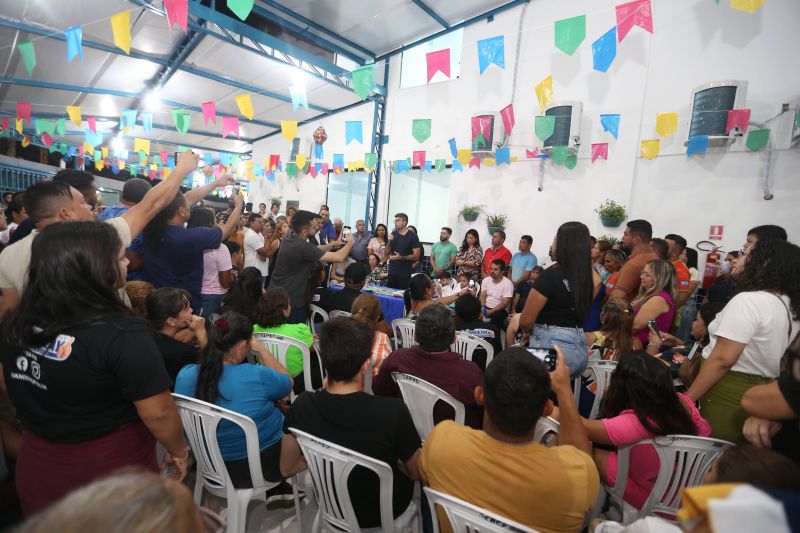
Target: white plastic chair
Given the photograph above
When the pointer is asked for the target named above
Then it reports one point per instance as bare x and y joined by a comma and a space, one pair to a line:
330, 466
279, 345
544, 428
200, 420
466, 344
406, 328
337, 313
465, 517
315, 312
685, 459
602, 371
421, 397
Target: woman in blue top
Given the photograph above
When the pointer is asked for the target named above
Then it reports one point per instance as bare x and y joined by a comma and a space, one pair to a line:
224, 379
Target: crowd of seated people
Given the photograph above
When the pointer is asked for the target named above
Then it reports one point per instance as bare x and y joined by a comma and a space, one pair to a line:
91, 355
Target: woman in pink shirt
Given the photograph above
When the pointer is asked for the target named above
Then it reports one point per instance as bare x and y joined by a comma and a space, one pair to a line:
217, 266
640, 403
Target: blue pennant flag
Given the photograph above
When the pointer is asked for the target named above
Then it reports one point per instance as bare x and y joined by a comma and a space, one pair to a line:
171, 162
71, 150
318, 153
604, 50
698, 144
338, 161
208, 159
457, 166
225, 159
147, 122
491, 51
271, 176
611, 124
93, 139
74, 37
317, 167
402, 166
453, 147
115, 168
503, 155
258, 169
352, 131
298, 94
128, 118
428, 166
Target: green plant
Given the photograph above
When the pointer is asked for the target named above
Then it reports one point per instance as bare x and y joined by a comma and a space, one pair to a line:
470, 210
611, 209
496, 220
610, 239
275, 201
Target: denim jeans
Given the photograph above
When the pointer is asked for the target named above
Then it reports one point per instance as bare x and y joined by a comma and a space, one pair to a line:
210, 304
572, 342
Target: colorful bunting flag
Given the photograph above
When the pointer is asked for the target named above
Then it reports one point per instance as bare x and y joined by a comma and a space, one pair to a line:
418, 158
544, 126
507, 113
141, 145
28, 53
544, 93
121, 26
637, 13
47, 140
604, 50
454, 148
738, 118
560, 154
570, 33
651, 148
289, 129
503, 156
74, 37
209, 112
245, 106
183, 119
147, 122
241, 8
298, 94
86, 148
438, 61
61, 126
177, 13
92, 122
757, 140
19, 126
3, 124
274, 162
440, 165
371, 160
291, 170
666, 123
698, 144
43, 125
475, 162
324, 169
610, 124
491, 51
24, 111
421, 129
599, 151
481, 131
457, 166
338, 163
353, 131
26, 141
129, 118
748, 6
363, 80
571, 162
319, 152
464, 156
301, 161
74, 112
104, 152
93, 138
531, 154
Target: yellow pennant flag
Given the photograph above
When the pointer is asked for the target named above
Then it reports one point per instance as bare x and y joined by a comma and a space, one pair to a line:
99, 164
245, 105
142, 145
748, 6
87, 148
666, 123
74, 112
121, 164
167, 172
25, 141
121, 25
153, 167
289, 129
464, 156
104, 151
544, 93
301, 161
352, 166
489, 162
19, 125
651, 148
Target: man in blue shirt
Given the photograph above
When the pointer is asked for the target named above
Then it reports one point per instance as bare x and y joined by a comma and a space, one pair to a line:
403, 249
132, 193
327, 226
523, 262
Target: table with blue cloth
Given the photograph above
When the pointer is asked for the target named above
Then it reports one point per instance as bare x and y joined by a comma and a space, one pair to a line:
391, 301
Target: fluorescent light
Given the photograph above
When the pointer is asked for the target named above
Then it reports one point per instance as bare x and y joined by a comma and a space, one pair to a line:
153, 99
116, 144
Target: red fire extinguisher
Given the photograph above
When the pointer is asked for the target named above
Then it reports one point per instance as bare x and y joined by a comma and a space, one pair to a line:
712, 267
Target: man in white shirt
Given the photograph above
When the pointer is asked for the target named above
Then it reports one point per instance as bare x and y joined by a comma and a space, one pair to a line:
497, 292
255, 253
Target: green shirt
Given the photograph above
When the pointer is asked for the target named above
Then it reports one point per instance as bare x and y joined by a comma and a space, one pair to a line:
443, 253
300, 332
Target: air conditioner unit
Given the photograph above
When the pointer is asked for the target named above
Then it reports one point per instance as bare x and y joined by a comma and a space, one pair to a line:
567, 130
488, 134
710, 105
300, 145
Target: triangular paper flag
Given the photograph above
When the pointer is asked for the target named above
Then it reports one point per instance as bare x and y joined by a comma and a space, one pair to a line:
363, 80
4, 124
147, 122
289, 129
230, 125
274, 162
610, 124
24, 110
47, 140
757, 140
298, 94
571, 161
182, 120
475, 162
129, 118
440, 165
599, 151
61, 126
570, 33
74, 37
43, 125
301, 161
438, 61
371, 160
738, 118
491, 51
164, 157
604, 50
544, 126
26, 141
353, 131
141, 145
457, 166
93, 139
291, 170
209, 112
544, 93
245, 105
241, 8
104, 152
177, 13
418, 158
666, 123
87, 148
121, 26
698, 144
338, 163
651, 148
637, 13
481, 130
507, 113
19, 126
560, 154
531, 154
748, 6
503, 156
421, 129
464, 156
92, 122
74, 112
28, 53
454, 148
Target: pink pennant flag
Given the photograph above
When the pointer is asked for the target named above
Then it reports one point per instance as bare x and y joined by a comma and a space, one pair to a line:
531, 154
637, 13
4, 123
481, 125
209, 112
217, 171
738, 118
508, 118
92, 124
274, 161
324, 169
164, 157
230, 125
418, 158
177, 12
312, 169
24, 110
475, 162
47, 141
599, 151
438, 61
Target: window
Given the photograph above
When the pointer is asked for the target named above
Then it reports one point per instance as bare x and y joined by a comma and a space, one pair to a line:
414, 66
424, 197
347, 196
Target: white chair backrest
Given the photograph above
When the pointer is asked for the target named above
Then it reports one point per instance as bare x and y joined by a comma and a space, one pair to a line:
601, 370
544, 427
466, 344
330, 465
336, 314
421, 397
279, 345
406, 328
685, 459
315, 312
465, 517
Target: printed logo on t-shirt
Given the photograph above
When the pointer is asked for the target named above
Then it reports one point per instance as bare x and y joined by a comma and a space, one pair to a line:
481, 332
58, 350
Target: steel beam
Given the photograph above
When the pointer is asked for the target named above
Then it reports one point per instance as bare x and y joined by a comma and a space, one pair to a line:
374, 181
315, 119
431, 13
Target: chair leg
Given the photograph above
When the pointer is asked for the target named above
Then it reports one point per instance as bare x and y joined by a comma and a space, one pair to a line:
315, 528
294, 483
198, 489
237, 510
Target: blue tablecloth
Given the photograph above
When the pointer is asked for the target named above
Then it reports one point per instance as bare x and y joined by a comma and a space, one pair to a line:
392, 306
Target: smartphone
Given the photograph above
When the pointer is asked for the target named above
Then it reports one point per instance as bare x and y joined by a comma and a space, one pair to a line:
652, 324
345, 233
548, 356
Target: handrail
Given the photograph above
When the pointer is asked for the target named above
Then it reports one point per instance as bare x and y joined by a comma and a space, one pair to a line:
15, 178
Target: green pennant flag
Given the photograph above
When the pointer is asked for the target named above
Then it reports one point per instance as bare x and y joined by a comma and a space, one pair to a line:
421, 129
61, 126
570, 33
363, 81
43, 125
440, 165
28, 53
479, 141
53, 148
182, 120
98, 155
572, 161
560, 154
240, 8
142, 158
182, 148
370, 160
157, 159
757, 140
291, 170
544, 127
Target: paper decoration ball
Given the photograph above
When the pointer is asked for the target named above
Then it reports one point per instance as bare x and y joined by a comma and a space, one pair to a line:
320, 136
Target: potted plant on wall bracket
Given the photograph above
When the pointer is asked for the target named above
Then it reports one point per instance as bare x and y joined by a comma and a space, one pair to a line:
611, 213
470, 212
275, 200
496, 222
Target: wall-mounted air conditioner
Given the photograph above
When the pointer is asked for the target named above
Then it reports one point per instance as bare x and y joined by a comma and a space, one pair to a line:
567, 130
488, 134
300, 145
710, 105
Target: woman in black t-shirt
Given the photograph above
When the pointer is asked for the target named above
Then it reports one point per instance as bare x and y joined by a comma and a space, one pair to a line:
562, 296
85, 376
